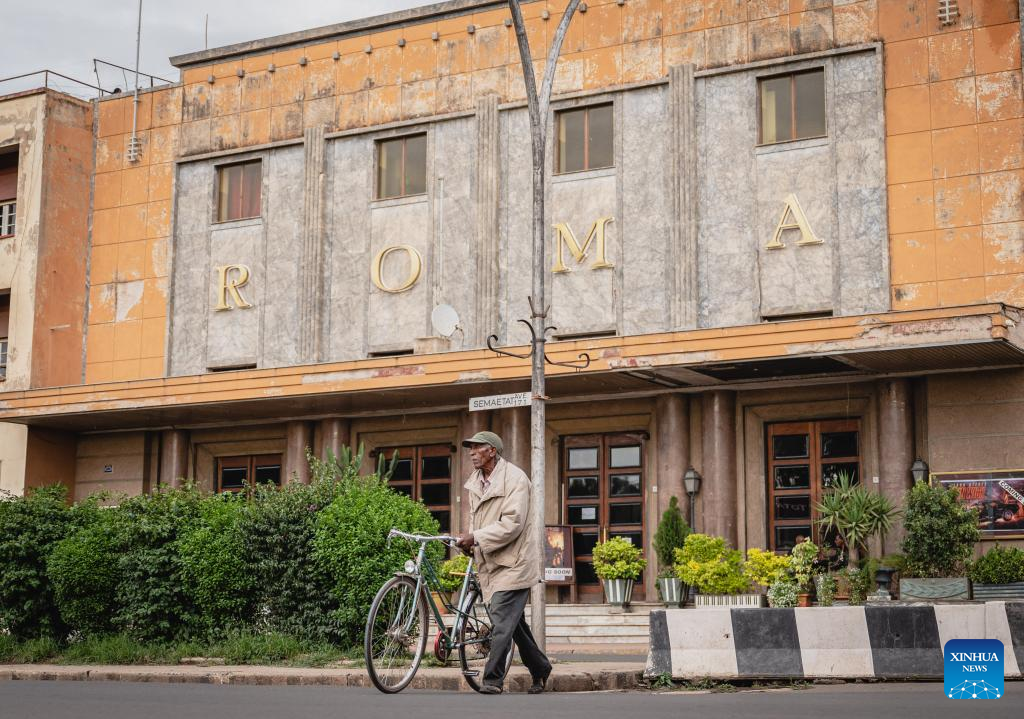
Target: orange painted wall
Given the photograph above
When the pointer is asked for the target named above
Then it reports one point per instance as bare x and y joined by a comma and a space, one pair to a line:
947, 89
63, 244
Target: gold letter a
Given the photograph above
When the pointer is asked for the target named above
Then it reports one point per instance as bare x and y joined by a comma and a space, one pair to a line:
793, 218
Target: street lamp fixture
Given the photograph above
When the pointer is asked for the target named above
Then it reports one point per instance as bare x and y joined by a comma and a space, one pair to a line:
691, 481
919, 470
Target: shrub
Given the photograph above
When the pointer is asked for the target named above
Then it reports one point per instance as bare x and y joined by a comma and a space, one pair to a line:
861, 581
940, 532
30, 527
84, 571
998, 566
855, 513
670, 536
782, 594
765, 567
351, 549
706, 564
618, 558
825, 589
451, 573
152, 597
215, 577
802, 558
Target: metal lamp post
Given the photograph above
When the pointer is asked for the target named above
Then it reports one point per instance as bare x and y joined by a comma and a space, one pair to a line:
919, 470
691, 481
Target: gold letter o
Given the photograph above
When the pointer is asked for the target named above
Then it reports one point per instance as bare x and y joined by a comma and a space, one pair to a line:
415, 267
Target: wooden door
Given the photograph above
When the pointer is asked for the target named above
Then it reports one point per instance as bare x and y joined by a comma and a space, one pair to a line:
803, 460
603, 497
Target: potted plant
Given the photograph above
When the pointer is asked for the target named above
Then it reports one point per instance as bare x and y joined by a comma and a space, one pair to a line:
715, 572
766, 568
998, 574
782, 594
617, 564
854, 514
453, 571
825, 589
940, 536
671, 534
801, 564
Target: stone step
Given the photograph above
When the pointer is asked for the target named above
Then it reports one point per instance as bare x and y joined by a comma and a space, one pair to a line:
642, 620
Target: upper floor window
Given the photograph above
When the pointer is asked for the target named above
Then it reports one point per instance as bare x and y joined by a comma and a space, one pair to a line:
7, 217
585, 139
239, 188
792, 106
5, 322
402, 167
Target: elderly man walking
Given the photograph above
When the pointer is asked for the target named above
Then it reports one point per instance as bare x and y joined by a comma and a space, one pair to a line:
503, 540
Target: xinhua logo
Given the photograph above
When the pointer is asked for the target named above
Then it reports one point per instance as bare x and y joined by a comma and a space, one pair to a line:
973, 668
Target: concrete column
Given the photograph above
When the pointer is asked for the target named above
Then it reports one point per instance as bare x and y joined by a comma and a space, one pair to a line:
173, 457
672, 422
311, 261
895, 447
332, 434
719, 488
684, 195
299, 438
469, 424
513, 426
488, 190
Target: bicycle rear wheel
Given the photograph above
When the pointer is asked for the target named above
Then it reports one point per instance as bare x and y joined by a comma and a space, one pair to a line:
475, 629
396, 635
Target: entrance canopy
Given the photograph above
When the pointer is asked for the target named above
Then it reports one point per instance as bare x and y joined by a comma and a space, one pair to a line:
818, 350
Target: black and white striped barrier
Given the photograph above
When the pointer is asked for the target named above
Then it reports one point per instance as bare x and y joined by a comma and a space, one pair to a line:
880, 641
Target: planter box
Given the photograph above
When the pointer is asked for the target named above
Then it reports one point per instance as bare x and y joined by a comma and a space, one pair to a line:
618, 592
999, 591
729, 600
673, 592
930, 590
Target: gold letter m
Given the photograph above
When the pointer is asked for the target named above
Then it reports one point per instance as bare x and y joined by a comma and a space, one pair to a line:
565, 236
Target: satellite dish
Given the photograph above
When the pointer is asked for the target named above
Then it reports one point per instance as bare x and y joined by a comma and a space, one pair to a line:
445, 320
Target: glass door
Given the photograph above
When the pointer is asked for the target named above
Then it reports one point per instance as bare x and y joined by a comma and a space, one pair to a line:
803, 460
603, 497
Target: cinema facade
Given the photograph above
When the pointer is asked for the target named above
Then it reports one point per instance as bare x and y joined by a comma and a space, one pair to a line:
788, 244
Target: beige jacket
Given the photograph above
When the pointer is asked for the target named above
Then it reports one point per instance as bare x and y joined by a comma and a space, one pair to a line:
507, 553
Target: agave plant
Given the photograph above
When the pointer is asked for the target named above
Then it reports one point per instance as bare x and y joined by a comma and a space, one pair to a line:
854, 513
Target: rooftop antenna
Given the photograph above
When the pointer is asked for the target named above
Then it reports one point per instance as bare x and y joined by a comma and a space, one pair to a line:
133, 142
206, 32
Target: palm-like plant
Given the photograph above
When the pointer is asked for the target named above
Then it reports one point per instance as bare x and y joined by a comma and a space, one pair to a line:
854, 513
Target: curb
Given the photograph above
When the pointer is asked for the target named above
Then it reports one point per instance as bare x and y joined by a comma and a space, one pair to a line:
568, 680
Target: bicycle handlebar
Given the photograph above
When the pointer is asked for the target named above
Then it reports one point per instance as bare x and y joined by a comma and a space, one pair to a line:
448, 539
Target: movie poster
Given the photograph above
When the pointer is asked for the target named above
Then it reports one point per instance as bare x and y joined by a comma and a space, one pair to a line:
558, 565
997, 495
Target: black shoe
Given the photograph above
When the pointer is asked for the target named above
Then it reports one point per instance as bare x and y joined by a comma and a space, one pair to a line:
490, 689
539, 684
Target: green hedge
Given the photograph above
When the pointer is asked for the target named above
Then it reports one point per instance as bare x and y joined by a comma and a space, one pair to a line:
179, 565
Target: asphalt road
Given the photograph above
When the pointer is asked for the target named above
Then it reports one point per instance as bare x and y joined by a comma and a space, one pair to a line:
112, 700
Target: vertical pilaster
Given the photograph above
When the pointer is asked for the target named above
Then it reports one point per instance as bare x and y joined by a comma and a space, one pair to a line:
514, 429
684, 196
332, 434
488, 174
299, 438
173, 457
672, 422
311, 262
469, 424
895, 447
720, 483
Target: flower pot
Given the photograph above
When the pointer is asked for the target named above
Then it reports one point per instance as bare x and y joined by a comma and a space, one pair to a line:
673, 591
729, 600
438, 600
803, 599
618, 591
883, 576
913, 589
990, 592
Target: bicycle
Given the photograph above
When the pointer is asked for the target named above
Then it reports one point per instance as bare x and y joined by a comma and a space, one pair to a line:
398, 624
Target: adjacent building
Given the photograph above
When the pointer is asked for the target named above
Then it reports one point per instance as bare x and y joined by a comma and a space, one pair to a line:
788, 236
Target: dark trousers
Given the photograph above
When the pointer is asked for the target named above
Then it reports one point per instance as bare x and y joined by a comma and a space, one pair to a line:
509, 624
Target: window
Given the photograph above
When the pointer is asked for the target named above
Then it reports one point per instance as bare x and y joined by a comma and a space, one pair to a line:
402, 167
425, 474
7, 217
242, 474
792, 106
5, 317
8, 190
585, 139
239, 188
804, 459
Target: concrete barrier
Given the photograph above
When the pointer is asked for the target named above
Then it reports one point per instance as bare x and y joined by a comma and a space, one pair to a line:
892, 641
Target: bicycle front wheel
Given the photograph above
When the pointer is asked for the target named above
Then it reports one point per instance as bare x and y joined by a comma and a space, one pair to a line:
474, 641
396, 635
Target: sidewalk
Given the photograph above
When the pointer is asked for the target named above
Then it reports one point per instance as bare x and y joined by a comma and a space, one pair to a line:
568, 676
